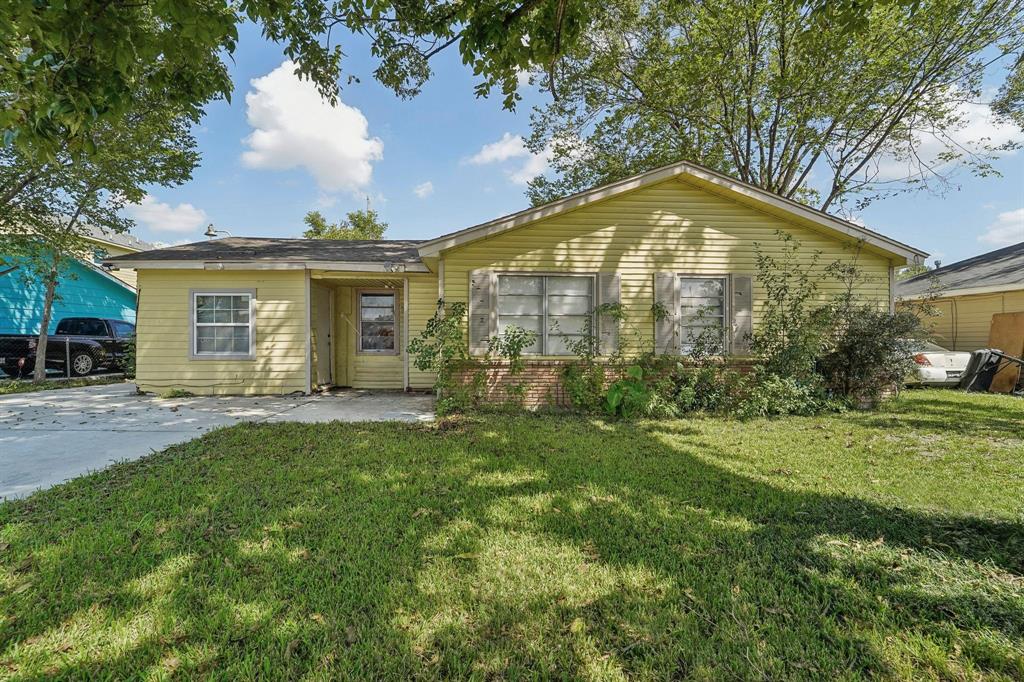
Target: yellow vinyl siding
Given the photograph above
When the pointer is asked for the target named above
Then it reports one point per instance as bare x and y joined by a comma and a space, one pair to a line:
165, 326
671, 226
422, 304
963, 322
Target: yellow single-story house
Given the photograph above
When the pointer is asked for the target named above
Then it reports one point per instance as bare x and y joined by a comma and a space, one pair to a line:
968, 293
272, 316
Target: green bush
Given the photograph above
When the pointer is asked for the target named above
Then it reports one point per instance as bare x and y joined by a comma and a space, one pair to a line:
510, 346
584, 384
632, 397
871, 352
441, 348
128, 359
771, 395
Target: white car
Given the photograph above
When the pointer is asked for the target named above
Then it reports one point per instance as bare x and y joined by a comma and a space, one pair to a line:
937, 366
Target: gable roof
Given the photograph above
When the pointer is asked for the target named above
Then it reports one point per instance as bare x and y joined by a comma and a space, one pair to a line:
372, 254
999, 270
704, 177
119, 239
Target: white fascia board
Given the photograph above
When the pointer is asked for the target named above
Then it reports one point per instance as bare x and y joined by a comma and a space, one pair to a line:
349, 266
967, 291
681, 169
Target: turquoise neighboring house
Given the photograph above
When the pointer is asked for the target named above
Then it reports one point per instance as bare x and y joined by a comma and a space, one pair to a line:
86, 290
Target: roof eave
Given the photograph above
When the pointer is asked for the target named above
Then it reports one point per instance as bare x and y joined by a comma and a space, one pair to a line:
204, 264
107, 242
963, 291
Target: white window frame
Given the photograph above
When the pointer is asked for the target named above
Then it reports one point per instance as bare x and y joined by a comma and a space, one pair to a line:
544, 305
726, 307
394, 320
193, 349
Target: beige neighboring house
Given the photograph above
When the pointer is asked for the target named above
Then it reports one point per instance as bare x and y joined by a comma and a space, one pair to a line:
970, 293
109, 244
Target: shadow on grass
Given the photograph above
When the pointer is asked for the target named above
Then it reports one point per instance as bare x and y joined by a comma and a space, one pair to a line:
952, 411
512, 547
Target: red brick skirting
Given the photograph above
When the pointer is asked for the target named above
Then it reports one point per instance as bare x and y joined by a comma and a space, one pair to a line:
542, 380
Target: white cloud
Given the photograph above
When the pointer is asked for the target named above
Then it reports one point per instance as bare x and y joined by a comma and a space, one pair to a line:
424, 189
513, 147
535, 165
161, 217
979, 129
293, 127
1008, 228
508, 147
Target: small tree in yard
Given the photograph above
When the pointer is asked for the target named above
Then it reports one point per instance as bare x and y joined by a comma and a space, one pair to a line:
440, 347
44, 226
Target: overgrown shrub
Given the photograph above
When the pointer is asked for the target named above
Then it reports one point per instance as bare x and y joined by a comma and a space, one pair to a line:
793, 325
584, 379
510, 346
870, 352
634, 396
772, 395
441, 348
128, 358
584, 384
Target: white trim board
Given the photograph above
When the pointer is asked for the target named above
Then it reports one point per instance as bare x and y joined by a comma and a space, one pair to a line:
346, 266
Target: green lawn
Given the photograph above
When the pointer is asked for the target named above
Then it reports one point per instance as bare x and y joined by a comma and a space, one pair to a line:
886, 544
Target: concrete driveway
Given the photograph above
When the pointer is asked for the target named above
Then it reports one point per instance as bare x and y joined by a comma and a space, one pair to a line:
50, 436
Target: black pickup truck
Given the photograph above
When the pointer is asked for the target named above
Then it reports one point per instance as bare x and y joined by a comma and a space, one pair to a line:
87, 343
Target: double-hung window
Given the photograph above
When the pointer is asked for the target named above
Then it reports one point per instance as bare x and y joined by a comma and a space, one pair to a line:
222, 324
702, 313
377, 322
558, 309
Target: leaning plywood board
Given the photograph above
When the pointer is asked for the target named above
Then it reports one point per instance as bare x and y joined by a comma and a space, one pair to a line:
1007, 334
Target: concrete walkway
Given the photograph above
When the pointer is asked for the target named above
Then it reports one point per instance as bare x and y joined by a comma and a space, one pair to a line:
48, 437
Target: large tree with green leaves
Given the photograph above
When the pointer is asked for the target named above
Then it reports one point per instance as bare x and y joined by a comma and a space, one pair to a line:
76, 64
789, 96
356, 225
44, 226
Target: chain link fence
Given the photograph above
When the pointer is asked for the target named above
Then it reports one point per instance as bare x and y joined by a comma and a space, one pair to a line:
64, 359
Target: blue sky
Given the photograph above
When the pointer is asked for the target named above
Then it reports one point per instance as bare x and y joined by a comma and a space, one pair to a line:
447, 160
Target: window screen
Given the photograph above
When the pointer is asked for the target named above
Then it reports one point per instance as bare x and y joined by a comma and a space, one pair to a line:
556, 308
702, 312
377, 322
223, 324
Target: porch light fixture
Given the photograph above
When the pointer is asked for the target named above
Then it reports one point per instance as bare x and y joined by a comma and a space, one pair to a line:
211, 232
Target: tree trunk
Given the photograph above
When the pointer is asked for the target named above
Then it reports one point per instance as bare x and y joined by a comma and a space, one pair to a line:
51, 288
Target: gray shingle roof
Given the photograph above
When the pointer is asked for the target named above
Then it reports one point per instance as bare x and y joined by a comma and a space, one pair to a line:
120, 238
261, 249
1000, 268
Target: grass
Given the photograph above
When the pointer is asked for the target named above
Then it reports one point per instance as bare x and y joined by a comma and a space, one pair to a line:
886, 544
10, 386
